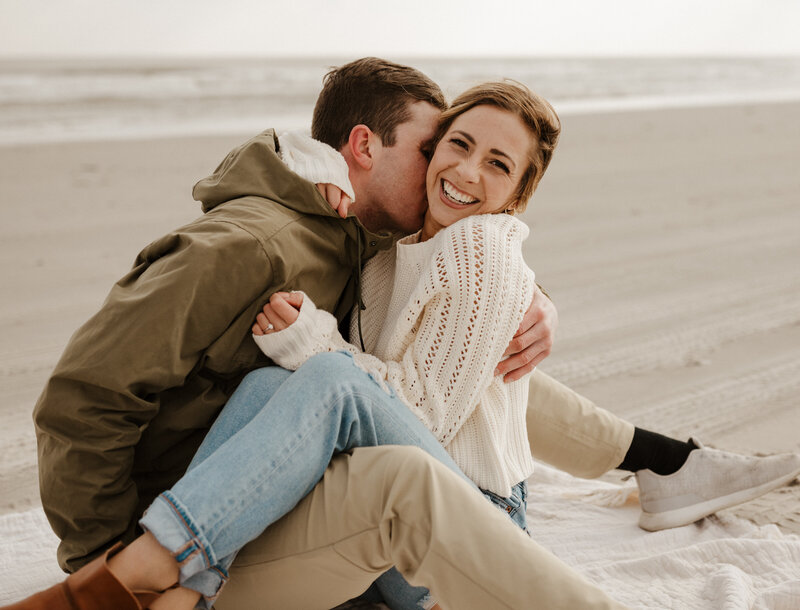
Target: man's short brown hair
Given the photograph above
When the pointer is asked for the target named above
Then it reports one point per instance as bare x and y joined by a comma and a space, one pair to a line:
535, 111
372, 92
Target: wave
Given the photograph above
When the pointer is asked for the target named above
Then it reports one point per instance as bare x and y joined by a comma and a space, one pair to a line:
58, 100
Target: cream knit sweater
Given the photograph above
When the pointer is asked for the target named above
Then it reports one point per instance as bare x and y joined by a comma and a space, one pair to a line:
439, 315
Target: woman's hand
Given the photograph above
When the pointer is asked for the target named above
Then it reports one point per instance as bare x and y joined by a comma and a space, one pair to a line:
335, 197
281, 312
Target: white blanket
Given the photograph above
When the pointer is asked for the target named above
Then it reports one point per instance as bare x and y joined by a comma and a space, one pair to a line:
719, 563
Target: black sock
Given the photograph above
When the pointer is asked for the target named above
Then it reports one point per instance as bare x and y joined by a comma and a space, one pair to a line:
659, 453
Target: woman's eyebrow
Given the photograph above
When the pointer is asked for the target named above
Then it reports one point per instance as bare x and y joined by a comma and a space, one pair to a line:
466, 136
500, 153
494, 151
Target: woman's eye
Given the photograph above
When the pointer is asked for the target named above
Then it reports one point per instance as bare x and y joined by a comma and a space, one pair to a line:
459, 142
502, 166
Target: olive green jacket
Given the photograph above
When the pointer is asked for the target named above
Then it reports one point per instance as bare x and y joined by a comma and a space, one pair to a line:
140, 383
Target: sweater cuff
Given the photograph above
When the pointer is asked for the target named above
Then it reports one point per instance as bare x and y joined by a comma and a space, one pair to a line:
315, 161
295, 344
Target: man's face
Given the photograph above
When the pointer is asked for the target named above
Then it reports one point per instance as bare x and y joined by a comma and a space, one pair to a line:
396, 191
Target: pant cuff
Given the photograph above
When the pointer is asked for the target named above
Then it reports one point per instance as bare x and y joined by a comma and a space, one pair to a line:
172, 525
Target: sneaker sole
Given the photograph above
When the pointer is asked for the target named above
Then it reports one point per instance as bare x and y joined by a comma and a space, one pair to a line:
653, 522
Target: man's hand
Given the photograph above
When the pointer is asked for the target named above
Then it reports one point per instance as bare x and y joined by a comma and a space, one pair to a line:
281, 312
533, 341
335, 197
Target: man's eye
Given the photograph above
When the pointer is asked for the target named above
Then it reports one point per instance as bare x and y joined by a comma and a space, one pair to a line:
426, 152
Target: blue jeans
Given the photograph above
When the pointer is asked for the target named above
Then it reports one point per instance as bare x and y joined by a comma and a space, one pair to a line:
266, 451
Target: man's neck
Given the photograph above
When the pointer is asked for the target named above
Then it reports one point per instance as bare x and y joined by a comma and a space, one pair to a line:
372, 218
370, 214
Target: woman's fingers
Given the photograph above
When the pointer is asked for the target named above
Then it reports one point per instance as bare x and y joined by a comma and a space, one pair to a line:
281, 307
332, 194
274, 320
344, 205
263, 321
295, 299
335, 197
329, 194
281, 311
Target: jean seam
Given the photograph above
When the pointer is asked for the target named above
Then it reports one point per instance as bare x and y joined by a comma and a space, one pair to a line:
190, 528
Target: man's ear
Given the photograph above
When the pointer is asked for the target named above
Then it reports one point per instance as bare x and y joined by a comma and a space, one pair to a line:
359, 146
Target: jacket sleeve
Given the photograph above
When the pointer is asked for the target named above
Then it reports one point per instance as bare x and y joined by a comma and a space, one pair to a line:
149, 335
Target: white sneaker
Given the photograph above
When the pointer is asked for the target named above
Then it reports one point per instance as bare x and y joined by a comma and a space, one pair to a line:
709, 481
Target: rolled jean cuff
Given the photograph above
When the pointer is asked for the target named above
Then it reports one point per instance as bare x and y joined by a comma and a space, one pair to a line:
172, 525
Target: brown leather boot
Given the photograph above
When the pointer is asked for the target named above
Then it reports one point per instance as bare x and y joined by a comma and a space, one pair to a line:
93, 587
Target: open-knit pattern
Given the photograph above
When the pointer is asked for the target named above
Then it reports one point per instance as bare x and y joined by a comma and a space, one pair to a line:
455, 302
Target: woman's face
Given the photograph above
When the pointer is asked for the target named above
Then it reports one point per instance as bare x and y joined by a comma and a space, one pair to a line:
476, 166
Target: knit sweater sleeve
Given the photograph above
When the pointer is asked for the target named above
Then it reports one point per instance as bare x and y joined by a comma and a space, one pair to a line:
315, 161
315, 331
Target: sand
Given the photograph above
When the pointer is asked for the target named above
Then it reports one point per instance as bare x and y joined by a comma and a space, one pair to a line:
669, 240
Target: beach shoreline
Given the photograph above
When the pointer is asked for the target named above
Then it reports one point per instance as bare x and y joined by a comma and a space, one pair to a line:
299, 120
666, 237
74, 99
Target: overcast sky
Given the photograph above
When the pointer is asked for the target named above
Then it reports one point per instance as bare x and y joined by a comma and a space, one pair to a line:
404, 28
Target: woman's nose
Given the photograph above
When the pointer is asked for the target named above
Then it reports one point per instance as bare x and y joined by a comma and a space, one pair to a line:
469, 170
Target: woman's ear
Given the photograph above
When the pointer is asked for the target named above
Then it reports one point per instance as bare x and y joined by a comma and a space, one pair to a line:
359, 146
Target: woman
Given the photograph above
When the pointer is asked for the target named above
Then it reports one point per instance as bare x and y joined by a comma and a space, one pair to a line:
460, 290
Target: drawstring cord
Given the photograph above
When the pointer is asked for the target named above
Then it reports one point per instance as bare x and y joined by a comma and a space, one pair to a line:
359, 299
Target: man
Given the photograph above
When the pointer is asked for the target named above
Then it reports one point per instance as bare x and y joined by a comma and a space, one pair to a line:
141, 382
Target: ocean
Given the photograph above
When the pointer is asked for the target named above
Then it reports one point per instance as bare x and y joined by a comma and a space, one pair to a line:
56, 100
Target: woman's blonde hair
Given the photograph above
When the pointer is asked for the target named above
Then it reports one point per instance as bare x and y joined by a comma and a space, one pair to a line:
535, 111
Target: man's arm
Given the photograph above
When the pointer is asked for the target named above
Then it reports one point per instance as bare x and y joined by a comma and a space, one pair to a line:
150, 334
534, 338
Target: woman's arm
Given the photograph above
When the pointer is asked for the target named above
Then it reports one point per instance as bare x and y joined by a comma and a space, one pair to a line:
321, 164
293, 339
450, 337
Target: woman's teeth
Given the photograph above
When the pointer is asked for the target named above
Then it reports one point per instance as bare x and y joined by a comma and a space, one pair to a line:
455, 195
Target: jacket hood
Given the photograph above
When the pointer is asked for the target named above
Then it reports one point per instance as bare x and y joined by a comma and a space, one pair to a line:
255, 169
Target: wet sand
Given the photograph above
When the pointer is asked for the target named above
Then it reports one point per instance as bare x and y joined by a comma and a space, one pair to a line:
669, 240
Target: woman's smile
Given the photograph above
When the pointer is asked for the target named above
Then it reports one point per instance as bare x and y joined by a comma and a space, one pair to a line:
453, 195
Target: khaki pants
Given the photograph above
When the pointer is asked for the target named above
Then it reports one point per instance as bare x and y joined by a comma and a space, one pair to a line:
396, 506
570, 432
